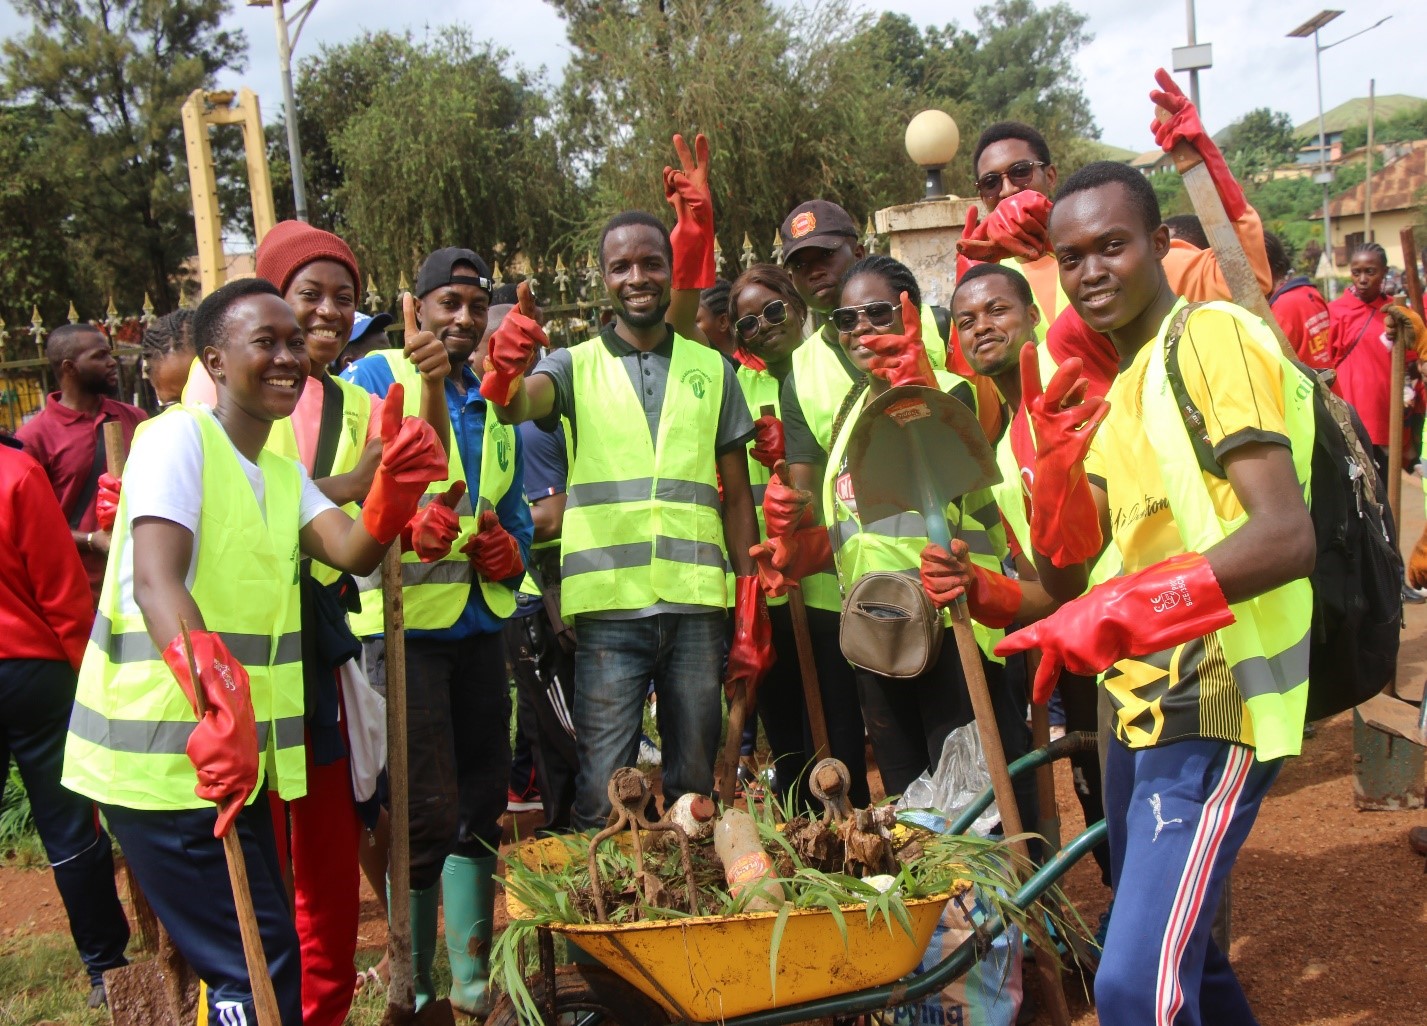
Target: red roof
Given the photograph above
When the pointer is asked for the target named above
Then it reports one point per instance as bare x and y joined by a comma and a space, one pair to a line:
1400, 185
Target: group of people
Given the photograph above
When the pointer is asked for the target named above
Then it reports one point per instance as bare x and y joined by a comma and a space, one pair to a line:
627, 515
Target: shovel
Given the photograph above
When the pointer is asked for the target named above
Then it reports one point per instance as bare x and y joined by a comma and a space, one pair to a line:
401, 992
887, 459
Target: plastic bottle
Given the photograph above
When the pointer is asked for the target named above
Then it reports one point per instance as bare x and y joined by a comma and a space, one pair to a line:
746, 866
693, 813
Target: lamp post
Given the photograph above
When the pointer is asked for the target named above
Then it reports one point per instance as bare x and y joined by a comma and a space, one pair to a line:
1311, 27
932, 140
285, 47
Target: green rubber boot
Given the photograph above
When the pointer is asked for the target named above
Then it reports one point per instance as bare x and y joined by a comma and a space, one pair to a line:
468, 889
423, 944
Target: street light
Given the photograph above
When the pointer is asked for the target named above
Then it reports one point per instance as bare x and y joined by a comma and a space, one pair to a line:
1324, 176
932, 139
289, 103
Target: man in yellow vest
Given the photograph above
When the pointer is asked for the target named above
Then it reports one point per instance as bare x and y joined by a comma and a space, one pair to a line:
658, 427
1015, 177
1204, 639
470, 547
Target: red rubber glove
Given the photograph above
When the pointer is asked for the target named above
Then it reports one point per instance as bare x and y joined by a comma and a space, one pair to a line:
1417, 562
783, 562
993, 599
1020, 225
435, 526
902, 359
511, 348
493, 550
769, 446
106, 502
1065, 522
412, 458
692, 239
224, 745
975, 246
1183, 125
1156, 608
785, 509
750, 656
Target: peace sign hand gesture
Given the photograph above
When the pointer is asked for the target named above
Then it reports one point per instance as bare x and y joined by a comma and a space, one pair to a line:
687, 191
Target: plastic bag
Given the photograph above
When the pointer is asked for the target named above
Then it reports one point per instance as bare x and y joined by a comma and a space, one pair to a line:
960, 776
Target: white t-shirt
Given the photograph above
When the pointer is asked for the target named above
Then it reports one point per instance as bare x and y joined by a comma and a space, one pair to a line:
164, 478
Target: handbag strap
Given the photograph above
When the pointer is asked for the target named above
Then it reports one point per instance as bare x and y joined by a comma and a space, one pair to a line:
91, 484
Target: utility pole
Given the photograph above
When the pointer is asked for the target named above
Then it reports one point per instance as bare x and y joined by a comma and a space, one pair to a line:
1193, 72
285, 47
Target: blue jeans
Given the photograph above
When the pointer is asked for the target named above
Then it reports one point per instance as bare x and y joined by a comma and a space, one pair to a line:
36, 696
614, 663
1177, 816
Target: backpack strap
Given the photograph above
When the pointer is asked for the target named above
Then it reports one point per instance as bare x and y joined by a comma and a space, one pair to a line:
1193, 419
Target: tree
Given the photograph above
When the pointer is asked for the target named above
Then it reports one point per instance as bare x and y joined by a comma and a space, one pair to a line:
448, 150
108, 77
1259, 140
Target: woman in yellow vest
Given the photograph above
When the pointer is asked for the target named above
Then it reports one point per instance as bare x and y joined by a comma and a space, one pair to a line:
907, 720
767, 315
209, 533
1204, 638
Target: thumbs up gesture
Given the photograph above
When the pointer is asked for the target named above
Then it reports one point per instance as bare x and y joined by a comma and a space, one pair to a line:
512, 346
436, 525
426, 352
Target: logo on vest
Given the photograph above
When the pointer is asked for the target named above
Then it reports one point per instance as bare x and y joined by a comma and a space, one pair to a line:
697, 381
803, 224
502, 451
1171, 597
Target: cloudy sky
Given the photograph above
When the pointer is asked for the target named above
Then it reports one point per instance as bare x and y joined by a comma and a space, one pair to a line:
1254, 63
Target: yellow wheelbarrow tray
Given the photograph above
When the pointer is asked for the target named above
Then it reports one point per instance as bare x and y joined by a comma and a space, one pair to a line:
711, 968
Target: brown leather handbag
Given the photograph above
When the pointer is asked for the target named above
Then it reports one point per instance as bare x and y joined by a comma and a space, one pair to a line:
889, 626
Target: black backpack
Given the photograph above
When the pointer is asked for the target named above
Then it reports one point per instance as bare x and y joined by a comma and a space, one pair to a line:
1357, 578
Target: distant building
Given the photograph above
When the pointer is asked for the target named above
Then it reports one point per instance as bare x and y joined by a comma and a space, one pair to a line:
1399, 191
1353, 114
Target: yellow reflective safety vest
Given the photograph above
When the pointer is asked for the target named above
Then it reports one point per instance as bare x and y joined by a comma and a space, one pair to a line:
1266, 646
435, 593
894, 544
643, 521
131, 720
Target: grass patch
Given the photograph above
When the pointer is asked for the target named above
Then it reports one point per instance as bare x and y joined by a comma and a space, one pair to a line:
41, 978
19, 841
370, 1003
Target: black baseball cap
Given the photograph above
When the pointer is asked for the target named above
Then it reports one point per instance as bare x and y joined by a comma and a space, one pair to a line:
440, 269
816, 223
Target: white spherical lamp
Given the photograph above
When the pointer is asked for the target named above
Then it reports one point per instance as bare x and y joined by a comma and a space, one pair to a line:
932, 140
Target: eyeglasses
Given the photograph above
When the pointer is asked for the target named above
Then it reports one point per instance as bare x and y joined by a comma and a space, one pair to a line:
775, 312
1019, 173
879, 314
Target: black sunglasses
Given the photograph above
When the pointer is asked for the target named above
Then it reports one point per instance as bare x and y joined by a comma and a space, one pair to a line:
1019, 173
879, 314
775, 312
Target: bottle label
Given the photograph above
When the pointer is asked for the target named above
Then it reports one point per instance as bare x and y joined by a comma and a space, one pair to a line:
747, 869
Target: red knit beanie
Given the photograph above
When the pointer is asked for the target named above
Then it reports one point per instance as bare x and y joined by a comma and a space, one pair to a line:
292, 245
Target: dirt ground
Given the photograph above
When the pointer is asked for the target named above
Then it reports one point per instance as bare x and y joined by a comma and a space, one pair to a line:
1330, 904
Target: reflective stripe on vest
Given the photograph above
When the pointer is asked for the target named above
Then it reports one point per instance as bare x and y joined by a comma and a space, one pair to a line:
1267, 645
894, 544
435, 593
643, 522
131, 720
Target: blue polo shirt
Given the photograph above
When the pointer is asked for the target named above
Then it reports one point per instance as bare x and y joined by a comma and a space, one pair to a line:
468, 424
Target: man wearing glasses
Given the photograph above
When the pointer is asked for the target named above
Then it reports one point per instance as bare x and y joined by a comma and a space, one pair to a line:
1015, 177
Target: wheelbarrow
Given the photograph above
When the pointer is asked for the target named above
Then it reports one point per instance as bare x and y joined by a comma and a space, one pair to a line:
712, 968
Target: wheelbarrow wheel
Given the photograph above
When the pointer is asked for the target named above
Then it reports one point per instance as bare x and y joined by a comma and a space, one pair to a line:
587, 995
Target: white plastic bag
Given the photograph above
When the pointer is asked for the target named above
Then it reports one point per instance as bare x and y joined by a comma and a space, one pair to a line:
366, 728
960, 775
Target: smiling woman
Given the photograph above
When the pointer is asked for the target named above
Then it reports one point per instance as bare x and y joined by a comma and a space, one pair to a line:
209, 531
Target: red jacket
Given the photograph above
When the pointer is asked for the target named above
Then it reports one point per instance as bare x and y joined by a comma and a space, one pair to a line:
45, 610
1302, 313
1364, 363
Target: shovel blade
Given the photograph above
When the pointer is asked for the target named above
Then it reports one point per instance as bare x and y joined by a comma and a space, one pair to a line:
912, 441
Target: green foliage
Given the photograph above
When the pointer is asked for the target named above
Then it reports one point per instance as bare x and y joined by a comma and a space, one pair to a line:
1401, 127
107, 78
17, 821
1259, 140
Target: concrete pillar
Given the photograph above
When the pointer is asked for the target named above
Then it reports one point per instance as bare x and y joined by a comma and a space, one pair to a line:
923, 236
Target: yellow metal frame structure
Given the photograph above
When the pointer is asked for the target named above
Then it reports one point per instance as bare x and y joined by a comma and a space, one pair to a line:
201, 110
